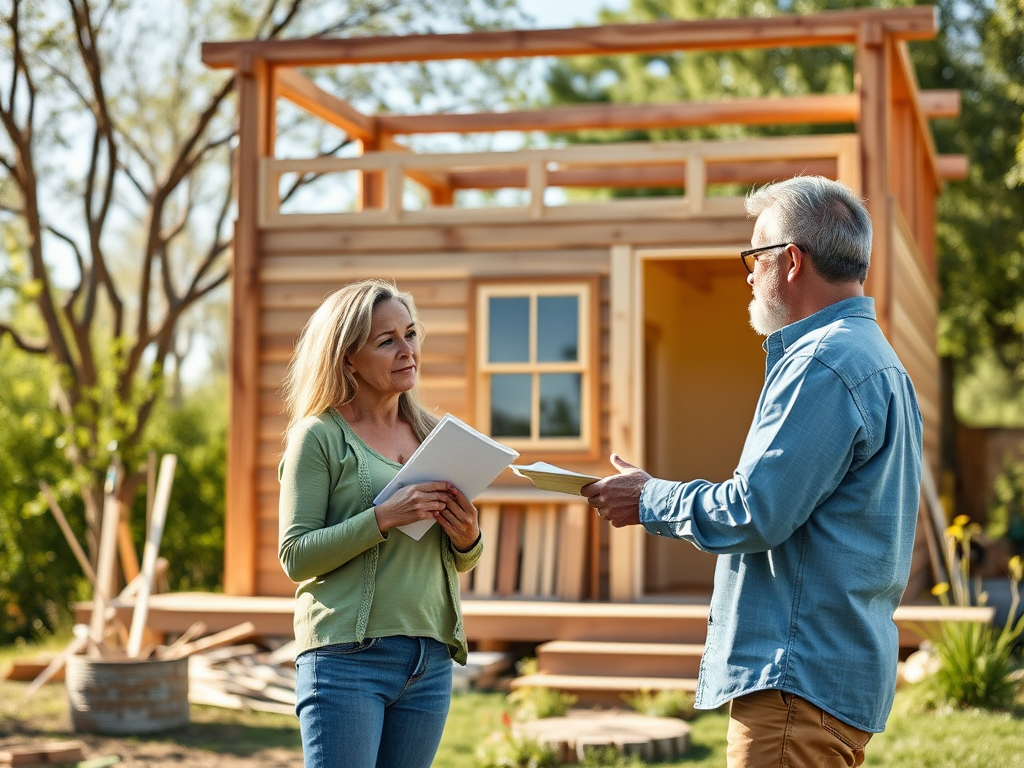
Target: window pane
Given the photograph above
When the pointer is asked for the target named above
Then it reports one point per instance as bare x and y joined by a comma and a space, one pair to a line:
508, 339
510, 405
557, 328
560, 404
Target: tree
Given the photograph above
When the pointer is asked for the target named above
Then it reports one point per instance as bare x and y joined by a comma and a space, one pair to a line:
115, 198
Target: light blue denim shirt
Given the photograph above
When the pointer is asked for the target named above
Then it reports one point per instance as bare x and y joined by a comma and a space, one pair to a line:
816, 526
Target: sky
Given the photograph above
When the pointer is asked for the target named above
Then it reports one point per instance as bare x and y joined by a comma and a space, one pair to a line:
567, 13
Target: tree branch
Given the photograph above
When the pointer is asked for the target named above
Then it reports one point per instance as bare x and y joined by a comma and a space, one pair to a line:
38, 347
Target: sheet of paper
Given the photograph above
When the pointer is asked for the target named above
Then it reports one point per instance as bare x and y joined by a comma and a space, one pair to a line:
548, 477
456, 453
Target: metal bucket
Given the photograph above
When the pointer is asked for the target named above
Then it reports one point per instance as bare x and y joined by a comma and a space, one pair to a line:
127, 697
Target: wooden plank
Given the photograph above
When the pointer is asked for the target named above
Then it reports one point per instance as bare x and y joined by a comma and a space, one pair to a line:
572, 543
935, 103
549, 542
126, 546
952, 167
152, 549
65, 528
533, 551
483, 574
255, 141
226, 637
304, 93
830, 108
57, 664
106, 563
44, 752
509, 551
828, 28
624, 177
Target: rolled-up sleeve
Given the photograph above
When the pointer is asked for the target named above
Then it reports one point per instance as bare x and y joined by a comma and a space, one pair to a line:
310, 542
802, 443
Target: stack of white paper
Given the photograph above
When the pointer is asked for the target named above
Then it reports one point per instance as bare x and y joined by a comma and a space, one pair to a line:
456, 453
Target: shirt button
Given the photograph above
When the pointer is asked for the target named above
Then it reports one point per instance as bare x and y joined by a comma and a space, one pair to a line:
657, 533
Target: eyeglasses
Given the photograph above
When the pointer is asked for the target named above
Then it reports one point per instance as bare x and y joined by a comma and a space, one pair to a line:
749, 257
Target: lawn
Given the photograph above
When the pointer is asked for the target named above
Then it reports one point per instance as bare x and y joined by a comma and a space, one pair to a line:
225, 738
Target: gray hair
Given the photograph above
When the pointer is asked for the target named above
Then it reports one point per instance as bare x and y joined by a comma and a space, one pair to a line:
825, 219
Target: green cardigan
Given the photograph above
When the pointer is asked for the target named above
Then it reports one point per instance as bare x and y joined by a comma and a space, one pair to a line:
353, 581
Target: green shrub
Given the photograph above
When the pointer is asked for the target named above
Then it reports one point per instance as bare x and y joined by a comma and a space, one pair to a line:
1006, 516
667, 703
977, 664
504, 750
535, 702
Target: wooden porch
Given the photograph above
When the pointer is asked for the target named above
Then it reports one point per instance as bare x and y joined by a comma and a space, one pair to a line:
597, 650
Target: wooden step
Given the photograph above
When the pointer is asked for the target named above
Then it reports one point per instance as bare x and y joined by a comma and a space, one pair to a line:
654, 660
605, 690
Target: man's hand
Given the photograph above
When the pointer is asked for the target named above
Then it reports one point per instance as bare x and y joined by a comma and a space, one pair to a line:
617, 497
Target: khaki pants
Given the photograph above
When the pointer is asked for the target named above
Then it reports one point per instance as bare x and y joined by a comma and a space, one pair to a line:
773, 729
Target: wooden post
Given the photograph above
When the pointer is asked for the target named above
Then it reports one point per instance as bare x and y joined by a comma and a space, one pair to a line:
625, 545
255, 141
875, 131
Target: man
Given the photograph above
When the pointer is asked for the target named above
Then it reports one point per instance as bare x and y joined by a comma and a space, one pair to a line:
815, 529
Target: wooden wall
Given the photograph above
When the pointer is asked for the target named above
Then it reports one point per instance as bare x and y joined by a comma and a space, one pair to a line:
292, 284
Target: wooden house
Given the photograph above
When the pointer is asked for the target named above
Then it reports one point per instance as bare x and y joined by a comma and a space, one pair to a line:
569, 329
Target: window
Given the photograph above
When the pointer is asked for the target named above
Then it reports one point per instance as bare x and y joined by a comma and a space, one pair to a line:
534, 364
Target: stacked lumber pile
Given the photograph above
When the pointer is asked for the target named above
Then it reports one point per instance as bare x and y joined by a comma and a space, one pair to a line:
244, 677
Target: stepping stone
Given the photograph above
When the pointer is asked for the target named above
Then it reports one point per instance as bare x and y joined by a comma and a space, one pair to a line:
571, 736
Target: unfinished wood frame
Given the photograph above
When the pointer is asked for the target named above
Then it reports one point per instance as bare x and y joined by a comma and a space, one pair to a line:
887, 157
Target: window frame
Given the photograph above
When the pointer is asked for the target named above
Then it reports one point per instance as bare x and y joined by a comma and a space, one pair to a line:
585, 289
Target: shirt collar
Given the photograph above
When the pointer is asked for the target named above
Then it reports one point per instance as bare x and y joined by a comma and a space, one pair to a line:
784, 338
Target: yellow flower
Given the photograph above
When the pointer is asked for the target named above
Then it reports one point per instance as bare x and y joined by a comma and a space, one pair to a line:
961, 520
940, 589
955, 532
1016, 568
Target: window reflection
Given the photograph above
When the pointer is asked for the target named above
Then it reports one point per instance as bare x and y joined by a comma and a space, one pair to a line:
509, 331
557, 328
560, 404
510, 404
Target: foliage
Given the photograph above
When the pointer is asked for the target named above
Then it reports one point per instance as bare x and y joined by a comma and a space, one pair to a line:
534, 702
194, 429
505, 750
1006, 517
980, 52
977, 666
39, 576
38, 572
665, 703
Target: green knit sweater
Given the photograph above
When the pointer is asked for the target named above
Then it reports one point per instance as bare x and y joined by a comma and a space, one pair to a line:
353, 581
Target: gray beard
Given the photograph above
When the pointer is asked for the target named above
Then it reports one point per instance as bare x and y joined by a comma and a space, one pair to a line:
767, 315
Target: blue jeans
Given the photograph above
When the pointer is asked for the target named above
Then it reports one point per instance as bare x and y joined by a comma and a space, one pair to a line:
379, 702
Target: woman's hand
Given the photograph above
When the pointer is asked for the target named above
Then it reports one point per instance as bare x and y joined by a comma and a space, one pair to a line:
459, 519
414, 502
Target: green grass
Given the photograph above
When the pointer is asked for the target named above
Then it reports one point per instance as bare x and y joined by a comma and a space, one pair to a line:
960, 739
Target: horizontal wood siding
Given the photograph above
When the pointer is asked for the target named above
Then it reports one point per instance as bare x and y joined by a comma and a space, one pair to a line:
913, 335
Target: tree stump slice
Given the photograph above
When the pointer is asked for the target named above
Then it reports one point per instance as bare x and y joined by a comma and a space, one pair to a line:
651, 738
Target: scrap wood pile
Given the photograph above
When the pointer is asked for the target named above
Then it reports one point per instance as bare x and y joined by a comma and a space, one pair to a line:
221, 673
244, 677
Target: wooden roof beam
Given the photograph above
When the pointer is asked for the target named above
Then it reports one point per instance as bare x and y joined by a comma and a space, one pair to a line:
939, 103
827, 28
634, 176
841, 108
305, 94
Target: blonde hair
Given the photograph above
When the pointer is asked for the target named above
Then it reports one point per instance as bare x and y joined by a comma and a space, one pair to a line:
317, 378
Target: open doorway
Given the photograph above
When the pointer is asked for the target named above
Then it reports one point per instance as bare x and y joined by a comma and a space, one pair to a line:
703, 371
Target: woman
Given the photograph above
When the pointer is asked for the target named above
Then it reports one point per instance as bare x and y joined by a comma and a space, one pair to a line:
377, 617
